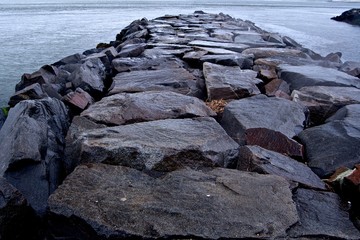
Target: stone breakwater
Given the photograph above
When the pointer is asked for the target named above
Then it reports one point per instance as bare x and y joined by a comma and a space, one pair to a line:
195, 126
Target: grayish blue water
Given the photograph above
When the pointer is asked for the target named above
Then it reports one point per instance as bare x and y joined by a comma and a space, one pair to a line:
38, 32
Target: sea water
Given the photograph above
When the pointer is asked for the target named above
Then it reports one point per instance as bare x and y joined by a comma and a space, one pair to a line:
38, 32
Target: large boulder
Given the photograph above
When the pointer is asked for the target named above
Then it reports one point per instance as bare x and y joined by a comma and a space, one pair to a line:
351, 16
323, 101
260, 160
352, 68
90, 77
310, 75
268, 122
31, 150
127, 108
241, 60
224, 82
162, 145
322, 215
113, 202
172, 79
335, 143
17, 219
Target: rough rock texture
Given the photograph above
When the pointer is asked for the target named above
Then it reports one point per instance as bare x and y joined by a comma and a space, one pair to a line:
324, 101
272, 52
172, 79
257, 159
268, 122
321, 216
37, 128
241, 60
33, 91
302, 76
17, 220
90, 77
79, 99
223, 82
162, 145
127, 108
335, 143
221, 203
351, 16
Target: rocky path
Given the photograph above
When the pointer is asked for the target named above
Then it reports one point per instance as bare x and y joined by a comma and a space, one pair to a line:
195, 126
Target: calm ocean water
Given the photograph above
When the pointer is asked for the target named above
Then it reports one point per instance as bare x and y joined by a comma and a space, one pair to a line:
38, 32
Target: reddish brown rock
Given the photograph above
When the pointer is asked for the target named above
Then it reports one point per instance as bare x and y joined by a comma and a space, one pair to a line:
79, 99
273, 140
275, 85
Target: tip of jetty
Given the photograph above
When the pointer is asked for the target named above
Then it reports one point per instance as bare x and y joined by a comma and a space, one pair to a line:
195, 126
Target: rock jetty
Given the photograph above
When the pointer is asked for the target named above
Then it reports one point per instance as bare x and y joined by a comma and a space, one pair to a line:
196, 126
351, 16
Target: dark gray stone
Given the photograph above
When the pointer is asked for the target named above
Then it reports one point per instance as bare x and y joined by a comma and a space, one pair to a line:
172, 79
351, 16
33, 91
322, 216
46, 74
113, 202
132, 50
3, 116
90, 77
268, 122
142, 63
224, 82
335, 143
217, 51
260, 160
37, 128
127, 108
324, 101
243, 61
302, 76
162, 145
17, 219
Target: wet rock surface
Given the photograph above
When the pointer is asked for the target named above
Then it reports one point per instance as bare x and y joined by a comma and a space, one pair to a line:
123, 139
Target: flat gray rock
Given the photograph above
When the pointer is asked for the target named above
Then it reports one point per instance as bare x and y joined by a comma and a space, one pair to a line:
127, 108
224, 82
225, 45
170, 79
273, 52
268, 122
243, 61
260, 160
322, 215
335, 143
323, 101
309, 75
162, 145
118, 202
